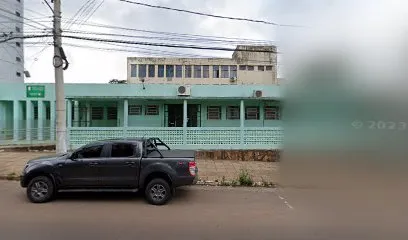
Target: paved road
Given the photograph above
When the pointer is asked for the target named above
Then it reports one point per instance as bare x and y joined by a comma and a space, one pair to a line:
195, 213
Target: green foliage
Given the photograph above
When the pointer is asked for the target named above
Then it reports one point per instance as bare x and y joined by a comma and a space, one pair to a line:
245, 178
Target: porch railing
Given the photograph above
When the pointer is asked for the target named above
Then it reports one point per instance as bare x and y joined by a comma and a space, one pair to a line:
189, 138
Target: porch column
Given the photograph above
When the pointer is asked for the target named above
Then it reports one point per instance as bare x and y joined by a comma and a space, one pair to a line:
125, 112
76, 114
185, 121
16, 119
40, 120
88, 114
29, 119
69, 113
262, 113
52, 120
242, 120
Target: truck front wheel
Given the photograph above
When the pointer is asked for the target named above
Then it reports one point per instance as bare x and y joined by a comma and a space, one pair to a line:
158, 191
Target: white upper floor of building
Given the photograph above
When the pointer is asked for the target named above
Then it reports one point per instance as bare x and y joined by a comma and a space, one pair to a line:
11, 52
248, 65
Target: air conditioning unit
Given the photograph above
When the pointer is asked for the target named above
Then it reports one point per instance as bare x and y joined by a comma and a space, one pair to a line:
257, 93
233, 79
184, 90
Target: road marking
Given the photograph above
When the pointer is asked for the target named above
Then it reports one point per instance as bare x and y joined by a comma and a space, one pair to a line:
282, 198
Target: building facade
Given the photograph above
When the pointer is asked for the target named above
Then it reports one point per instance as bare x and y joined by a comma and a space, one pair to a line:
11, 52
248, 65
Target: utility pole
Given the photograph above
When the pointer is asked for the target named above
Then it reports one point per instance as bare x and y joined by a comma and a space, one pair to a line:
61, 124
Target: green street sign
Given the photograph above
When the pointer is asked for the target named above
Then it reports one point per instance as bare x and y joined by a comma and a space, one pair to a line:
35, 91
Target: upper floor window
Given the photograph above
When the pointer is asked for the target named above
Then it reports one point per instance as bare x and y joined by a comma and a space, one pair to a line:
197, 71
142, 70
272, 113
261, 68
18, 44
18, 29
268, 68
179, 71
233, 112
216, 71
135, 110
169, 71
160, 69
152, 110
18, 59
242, 67
18, 74
18, 14
250, 68
206, 71
233, 71
252, 113
152, 70
188, 71
225, 71
133, 70
214, 113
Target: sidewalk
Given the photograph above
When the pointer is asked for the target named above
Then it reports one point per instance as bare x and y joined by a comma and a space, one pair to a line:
209, 170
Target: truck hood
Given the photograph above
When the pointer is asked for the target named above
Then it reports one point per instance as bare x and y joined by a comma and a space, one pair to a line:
48, 158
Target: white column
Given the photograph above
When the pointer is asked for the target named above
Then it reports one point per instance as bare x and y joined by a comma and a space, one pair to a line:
242, 120
40, 128
69, 113
29, 119
76, 114
88, 114
125, 113
185, 121
16, 120
52, 120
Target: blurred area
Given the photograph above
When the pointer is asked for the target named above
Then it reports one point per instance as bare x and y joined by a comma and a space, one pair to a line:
346, 116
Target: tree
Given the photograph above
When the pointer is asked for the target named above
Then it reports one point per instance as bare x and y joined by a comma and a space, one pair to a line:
116, 81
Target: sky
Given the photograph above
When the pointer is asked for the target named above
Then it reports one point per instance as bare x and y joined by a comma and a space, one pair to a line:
322, 18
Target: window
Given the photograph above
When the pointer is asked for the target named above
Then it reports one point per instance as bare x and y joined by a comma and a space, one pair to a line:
18, 29
133, 70
18, 59
35, 113
232, 112
169, 71
272, 113
214, 113
47, 113
251, 68
18, 0
152, 70
142, 70
252, 113
206, 71
242, 67
112, 113
268, 68
135, 110
179, 71
233, 71
97, 113
197, 71
90, 152
187, 71
18, 44
152, 110
18, 14
122, 150
261, 68
216, 71
225, 71
18, 74
160, 69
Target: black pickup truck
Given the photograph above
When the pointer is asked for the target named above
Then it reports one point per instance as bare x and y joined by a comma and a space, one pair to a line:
112, 165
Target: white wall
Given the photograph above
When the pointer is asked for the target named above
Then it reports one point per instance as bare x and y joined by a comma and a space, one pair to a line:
9, 66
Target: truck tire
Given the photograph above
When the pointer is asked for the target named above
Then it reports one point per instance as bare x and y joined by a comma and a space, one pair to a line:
158, 191
40, 189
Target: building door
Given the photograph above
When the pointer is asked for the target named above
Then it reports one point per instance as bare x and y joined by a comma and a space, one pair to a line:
174, 115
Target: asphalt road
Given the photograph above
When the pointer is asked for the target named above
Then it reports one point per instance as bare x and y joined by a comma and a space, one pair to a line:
195, 213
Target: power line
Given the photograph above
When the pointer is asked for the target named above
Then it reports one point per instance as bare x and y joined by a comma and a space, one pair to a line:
28, 19
93, 12
210, 15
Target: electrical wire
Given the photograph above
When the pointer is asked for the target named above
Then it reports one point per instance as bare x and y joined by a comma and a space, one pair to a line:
209, 15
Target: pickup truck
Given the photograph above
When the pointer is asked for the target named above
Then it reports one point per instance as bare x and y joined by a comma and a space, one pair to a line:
112, 165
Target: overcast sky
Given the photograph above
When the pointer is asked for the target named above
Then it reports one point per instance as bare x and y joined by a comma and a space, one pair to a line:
96, 66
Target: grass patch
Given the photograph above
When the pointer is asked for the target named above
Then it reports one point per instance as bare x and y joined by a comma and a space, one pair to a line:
245, 178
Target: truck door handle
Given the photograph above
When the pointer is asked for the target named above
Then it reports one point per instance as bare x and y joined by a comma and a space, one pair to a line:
130, 163
93, 163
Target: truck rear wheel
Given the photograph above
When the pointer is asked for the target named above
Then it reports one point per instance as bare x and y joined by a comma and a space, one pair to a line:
158, 191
